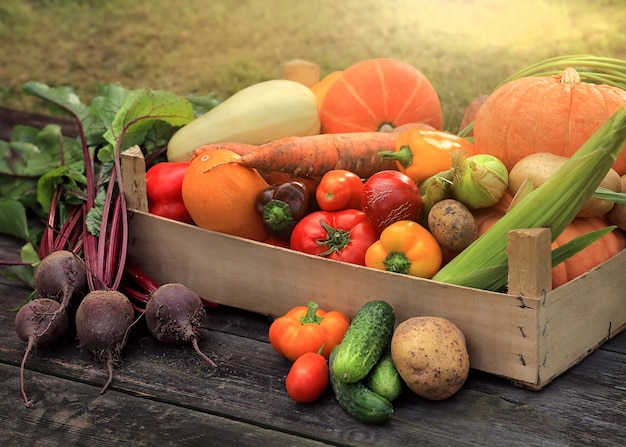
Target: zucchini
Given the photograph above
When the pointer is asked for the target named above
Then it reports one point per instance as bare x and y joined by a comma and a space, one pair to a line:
260, 113
384, 378
365, 340
358, 400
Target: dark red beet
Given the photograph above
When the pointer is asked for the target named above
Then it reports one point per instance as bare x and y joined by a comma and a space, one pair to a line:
40, 324
103, 319
61, 276
174, 314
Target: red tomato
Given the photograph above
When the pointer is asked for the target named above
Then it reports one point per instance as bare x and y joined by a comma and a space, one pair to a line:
307, 378
339, 190
390, 196
343, 235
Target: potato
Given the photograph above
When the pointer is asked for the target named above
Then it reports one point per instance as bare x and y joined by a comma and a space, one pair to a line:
452, 224
617, 215
539, 167
430, 354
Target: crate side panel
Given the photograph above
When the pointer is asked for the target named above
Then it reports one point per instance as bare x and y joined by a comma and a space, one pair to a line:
576, 318
271, 280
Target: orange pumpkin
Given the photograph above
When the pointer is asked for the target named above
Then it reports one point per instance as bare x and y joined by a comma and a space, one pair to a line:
554, 114
321, 88
220, 194
375, 93
595, 254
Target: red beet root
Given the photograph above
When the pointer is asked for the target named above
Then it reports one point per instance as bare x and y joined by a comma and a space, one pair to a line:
174, 314
39, 323
61, 276
103, 319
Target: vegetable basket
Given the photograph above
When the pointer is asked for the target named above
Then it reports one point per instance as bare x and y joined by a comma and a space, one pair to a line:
527, 335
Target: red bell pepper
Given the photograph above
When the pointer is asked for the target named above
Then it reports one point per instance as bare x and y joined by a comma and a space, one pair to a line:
164, 182
343, 235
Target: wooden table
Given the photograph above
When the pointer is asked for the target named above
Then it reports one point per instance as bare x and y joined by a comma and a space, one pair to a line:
168, 396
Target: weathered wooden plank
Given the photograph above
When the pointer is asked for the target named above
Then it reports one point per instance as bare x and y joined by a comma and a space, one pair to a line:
74, 414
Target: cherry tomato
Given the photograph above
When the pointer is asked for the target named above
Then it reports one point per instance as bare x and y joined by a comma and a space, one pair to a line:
339, 190
308, 377
389, 196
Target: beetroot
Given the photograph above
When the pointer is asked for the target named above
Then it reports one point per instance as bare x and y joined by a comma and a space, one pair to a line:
61, 276
174, 314
103, 319
39, 323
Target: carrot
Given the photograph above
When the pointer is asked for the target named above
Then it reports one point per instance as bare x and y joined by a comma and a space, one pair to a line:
314, 155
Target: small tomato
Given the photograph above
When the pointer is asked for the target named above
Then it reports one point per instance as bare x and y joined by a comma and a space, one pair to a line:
308, 377
390, 196
339, 190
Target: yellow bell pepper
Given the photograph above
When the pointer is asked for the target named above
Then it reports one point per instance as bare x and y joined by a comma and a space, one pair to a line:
422, 153
405, 247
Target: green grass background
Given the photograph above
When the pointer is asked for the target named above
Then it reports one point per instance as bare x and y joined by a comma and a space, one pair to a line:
464, 47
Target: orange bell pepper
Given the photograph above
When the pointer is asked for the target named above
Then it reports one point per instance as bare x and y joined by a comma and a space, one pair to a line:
308, 329
406, 247
422, 153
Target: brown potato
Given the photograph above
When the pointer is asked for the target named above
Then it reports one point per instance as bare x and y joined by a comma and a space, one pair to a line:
541, 166
617, 215
430, 354
452, 224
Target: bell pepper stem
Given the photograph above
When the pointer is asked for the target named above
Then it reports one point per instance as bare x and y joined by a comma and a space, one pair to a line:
404, 156
277, 214
397, 262
311, 314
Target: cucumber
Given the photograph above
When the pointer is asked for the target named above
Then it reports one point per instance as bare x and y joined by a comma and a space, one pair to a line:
358, 400
365, 340
384, 378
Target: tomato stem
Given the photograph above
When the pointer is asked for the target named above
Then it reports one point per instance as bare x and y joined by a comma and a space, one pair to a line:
336, 239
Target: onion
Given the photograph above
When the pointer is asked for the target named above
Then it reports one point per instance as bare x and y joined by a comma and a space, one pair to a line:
479, 181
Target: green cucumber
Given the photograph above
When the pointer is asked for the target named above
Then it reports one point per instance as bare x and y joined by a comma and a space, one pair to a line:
384, 378
358, 400
365, 340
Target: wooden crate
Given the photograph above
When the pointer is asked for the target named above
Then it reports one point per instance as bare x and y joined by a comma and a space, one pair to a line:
529, 337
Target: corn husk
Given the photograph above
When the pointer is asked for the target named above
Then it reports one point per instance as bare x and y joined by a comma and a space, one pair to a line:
553, 204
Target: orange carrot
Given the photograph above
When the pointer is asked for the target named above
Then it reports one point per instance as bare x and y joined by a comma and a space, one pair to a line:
312, 156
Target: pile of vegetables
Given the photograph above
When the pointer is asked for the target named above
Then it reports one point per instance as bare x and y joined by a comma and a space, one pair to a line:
355, 169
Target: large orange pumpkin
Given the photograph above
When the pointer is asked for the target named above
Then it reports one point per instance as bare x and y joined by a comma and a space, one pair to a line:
595, 254
554, 114
377, 92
